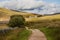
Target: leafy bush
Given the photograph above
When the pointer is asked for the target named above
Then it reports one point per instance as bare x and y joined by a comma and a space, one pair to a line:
16, 21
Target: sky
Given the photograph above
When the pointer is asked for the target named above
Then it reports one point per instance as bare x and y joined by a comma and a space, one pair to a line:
33, 6
53, 1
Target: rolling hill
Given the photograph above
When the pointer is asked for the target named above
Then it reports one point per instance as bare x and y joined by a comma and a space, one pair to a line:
6, 13
51, 17
10, 12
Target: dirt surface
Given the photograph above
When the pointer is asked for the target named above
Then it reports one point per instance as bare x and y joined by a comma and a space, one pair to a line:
37, 35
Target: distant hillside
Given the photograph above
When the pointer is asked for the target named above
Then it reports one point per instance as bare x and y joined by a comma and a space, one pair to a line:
12, 12
51, 14
15, 10
52, 17
6, 13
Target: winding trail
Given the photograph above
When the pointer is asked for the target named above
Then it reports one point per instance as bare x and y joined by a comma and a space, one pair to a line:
37, 35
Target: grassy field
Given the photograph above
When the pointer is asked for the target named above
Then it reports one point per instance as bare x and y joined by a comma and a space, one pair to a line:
3, 26
17, 34
37, 19
51, 28
51, 33
50, 25
4, 11
44, 23
23, 35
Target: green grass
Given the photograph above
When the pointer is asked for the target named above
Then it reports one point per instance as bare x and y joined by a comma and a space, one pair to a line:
51, 33
22, 35
51, 28
17, 34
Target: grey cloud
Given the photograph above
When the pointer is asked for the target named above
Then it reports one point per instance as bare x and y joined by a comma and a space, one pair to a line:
33, 6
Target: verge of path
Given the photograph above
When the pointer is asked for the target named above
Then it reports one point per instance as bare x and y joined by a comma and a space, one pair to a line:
37, 35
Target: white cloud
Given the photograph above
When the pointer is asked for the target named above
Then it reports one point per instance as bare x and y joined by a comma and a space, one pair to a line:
23, 4
45, 8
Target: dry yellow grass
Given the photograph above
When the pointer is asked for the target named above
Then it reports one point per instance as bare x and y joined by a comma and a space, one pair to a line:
6, 13
9, 12
4, 26
43, 18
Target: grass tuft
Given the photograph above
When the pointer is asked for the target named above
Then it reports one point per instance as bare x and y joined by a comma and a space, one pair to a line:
51, 33
22, 35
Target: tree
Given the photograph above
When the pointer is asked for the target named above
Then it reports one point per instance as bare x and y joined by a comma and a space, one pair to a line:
16, 21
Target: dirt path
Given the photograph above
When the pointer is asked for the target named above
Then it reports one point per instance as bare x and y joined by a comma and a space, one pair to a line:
37, 35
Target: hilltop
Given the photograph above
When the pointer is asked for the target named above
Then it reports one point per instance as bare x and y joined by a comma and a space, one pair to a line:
31, 17
6, 13
10, 12
50, 17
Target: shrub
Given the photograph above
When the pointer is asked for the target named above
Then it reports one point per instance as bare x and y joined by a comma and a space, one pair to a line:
16, 21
